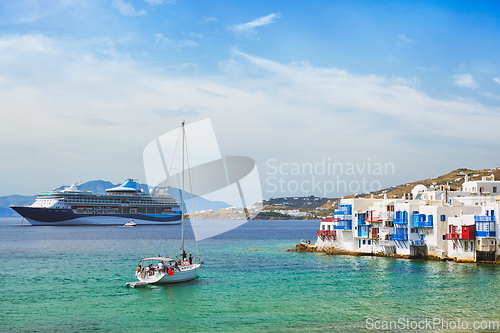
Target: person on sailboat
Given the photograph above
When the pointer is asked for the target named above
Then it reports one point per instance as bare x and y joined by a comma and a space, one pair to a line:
139, 268
184, 255
160, 267
191, 259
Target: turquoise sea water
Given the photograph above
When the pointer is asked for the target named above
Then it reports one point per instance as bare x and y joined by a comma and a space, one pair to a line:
72, 279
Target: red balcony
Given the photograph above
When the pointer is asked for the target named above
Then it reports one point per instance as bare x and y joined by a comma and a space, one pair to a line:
467, 232
373, 217
326, 233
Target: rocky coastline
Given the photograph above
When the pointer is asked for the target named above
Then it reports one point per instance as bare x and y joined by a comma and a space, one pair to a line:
304, 247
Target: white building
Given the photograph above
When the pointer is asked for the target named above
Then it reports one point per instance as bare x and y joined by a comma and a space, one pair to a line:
435, 223
486, 186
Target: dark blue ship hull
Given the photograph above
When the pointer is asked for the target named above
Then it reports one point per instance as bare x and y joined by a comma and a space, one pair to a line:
51, 216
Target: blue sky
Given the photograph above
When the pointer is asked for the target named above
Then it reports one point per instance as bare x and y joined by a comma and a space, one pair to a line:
85, 86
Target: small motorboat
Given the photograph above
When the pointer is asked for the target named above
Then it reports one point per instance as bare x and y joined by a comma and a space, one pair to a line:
130, 224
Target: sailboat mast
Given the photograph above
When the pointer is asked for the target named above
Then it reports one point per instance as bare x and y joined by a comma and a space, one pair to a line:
182, 194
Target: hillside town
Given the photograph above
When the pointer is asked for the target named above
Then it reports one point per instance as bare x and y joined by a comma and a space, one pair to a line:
430, 222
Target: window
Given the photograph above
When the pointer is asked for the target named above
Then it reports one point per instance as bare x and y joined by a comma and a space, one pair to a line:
494, 189
466, 246
369, 242
472, 246
443, 218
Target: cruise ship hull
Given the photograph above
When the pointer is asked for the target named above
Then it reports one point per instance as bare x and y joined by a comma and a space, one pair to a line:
51, 216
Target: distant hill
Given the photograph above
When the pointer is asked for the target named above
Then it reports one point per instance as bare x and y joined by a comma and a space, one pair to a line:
453, 179
309, 202
99, 187
18, 200
96, 186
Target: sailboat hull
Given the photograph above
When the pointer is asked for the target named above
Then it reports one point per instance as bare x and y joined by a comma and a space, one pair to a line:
187, 273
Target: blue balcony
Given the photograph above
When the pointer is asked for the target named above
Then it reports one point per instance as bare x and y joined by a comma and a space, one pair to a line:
401, 234
364, 230
401, 217
422, 221
485, 226
362, 219
343, 224
343, 210
400, 237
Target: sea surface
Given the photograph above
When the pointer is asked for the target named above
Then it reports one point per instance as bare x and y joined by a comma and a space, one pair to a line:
72, 279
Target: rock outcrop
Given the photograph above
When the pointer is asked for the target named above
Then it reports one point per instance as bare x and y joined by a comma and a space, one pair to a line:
304, 247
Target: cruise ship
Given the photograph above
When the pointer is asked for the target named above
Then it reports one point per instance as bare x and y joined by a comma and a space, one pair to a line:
118, 206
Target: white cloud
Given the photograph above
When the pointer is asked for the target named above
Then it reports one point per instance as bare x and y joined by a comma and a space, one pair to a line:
496, 79
207, 20
404, 41
58, 94
248, 29
162, 40
126, 8
464, 80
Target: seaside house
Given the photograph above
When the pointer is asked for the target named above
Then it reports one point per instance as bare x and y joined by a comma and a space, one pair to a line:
431, 222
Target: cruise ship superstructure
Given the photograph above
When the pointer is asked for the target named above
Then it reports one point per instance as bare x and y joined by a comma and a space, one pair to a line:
462, 225
119, 205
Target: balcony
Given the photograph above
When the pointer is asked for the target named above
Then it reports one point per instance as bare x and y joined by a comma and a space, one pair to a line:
386, 215
343, 210
421, 221
343, 224
484, 218
401, 217
485, 226
485, 233
386, 230
373, 234
455, 235
363, 230
400, 237
373, 217
400, 221
460, 232
423, 224
326, 233
418, 242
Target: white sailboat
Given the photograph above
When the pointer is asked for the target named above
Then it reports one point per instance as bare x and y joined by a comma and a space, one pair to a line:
161, 270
